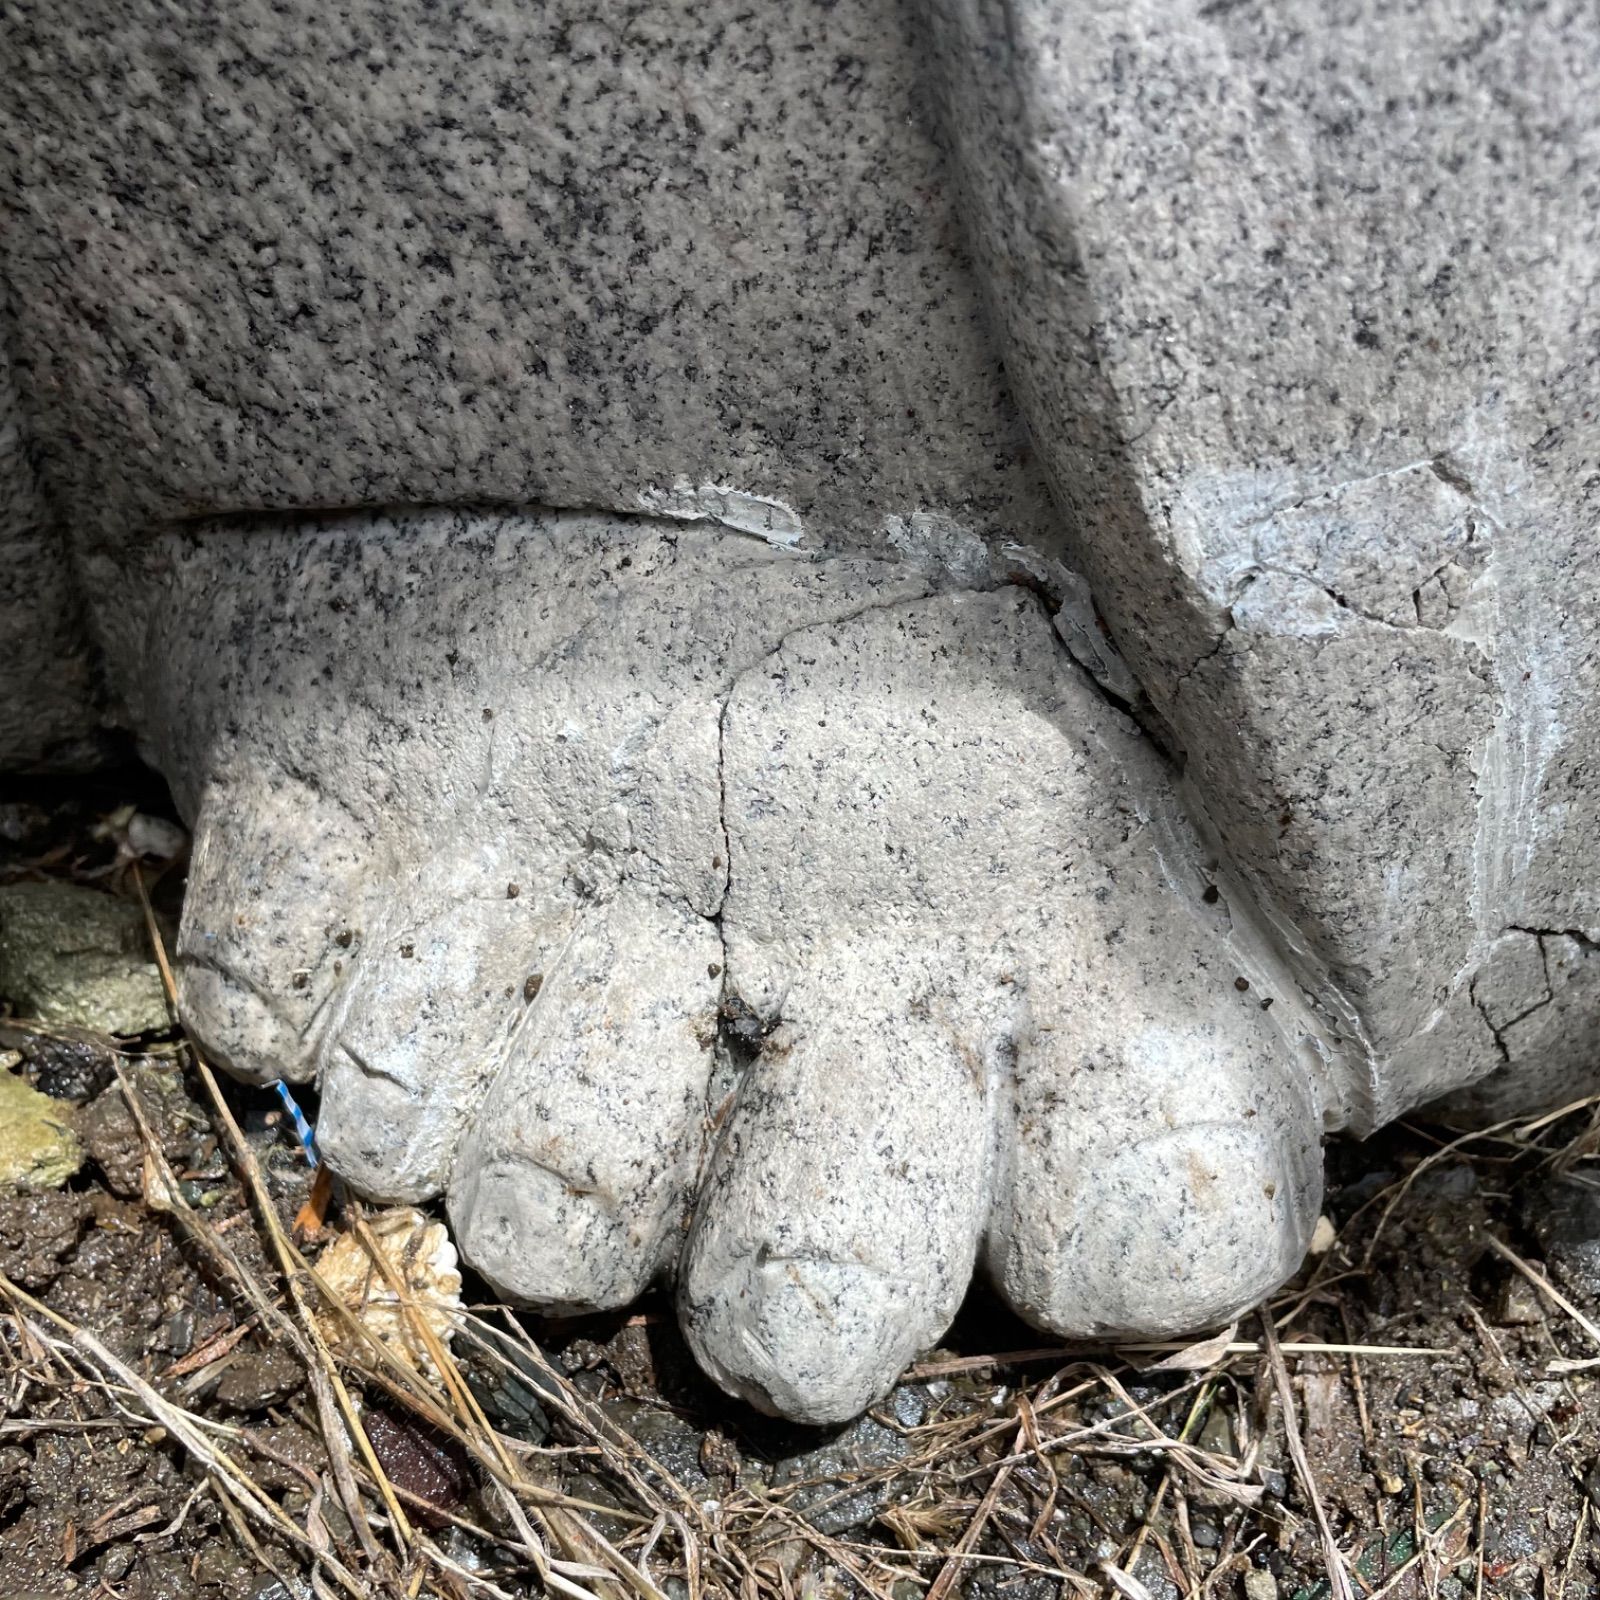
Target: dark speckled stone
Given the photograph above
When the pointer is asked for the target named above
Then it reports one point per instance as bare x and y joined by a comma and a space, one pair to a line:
48, 715
277, 256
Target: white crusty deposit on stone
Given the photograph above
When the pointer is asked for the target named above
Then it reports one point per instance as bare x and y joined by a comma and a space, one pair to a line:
765, 517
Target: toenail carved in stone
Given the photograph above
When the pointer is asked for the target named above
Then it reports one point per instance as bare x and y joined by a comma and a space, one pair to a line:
239, 1029
571, 1185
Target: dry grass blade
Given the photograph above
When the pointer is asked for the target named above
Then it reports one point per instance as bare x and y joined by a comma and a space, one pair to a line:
194, 1224
1203, 1355
1338, 1577
443, 1363
623, 1454
590, 1555
1197, 1411
250, 1498
582, 1544
1397, 1192
327, 1387
1546, 1288
1296, 1347
1424, 1550
997, 1478
951, 1571
1125, 1583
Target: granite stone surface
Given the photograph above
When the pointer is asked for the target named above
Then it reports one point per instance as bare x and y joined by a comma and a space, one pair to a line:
1299, 301
495, 886
49, 716
698, 259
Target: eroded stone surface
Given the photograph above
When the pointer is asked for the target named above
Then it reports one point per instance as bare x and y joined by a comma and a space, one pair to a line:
573, 789
1299, 304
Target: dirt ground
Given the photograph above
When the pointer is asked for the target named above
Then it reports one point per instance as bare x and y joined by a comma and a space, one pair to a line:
173, 1428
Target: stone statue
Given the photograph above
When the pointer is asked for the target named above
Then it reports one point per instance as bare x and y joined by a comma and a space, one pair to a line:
813, 648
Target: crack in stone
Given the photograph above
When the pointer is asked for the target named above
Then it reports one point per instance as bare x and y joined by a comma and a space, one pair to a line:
729, 1003
1229, 624
1497, 1034
1342, 601
1442, 467
1538, 935
1577, 935
1328, 491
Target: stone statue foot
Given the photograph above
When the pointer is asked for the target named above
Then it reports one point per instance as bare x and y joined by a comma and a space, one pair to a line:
680, 907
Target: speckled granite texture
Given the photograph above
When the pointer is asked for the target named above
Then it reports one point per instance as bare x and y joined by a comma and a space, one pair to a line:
1300, 302
699, 258
48, 714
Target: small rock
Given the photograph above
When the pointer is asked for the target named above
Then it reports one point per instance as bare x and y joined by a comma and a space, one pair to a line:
76, 956
15, 1466
155, 838
20, 822
1564, 1216
37, 1233
1216, 1432
293, 1445
666, 1437
909, 1403
825, 1497
419, 1460
38, 1149
115, 1563
1000, 1583
1260, 1585
719, 1455
1517, 1304
258, 1379
510, 1394
63, 1062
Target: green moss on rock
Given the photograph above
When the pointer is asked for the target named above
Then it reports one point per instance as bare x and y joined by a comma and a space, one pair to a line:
77, 956
38, 1148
